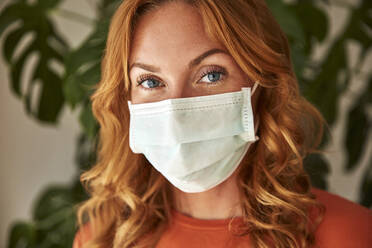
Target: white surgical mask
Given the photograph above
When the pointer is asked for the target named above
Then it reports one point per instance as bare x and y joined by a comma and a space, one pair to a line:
195, 142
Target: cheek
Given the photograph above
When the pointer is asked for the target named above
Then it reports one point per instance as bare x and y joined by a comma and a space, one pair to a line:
141, 96
134, 95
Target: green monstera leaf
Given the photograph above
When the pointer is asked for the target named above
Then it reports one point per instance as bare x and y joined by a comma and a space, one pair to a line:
53, 223
32, 20
332, 75
365, 191
358, 129
304, 22
22, 234
83, 72
83, 69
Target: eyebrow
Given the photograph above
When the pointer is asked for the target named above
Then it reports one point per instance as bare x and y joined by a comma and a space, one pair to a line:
192, 63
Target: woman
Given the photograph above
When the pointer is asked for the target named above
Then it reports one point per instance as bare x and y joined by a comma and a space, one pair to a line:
203, 132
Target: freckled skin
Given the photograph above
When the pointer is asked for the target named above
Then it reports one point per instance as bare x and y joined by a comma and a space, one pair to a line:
169, 38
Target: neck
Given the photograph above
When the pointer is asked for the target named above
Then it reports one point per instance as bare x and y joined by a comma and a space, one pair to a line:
220, 202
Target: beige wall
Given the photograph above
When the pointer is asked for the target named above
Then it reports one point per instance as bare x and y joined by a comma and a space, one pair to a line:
33, 155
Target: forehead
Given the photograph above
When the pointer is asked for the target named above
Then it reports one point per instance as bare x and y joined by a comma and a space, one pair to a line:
174, 31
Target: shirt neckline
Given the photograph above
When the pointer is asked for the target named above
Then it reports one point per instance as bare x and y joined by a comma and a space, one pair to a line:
179, 218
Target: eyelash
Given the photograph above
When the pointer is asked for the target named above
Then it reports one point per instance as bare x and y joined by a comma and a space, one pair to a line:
212, 69
145, 77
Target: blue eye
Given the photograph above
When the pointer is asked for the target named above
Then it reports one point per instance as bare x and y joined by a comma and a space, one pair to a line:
212, 76
149, 83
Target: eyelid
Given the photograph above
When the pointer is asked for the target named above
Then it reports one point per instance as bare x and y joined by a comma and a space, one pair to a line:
212, 68
148, 76
205, 71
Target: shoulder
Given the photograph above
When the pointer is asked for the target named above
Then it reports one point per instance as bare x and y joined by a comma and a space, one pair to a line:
82, 236
345, 223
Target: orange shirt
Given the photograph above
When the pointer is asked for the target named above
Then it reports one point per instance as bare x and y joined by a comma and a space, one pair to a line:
189, 232
345, 225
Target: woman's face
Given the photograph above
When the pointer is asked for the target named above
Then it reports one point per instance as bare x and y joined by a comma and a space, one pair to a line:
172, 57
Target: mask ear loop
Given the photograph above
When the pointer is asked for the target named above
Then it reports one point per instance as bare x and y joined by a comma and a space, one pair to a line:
256, 128
257, 122
255, 85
